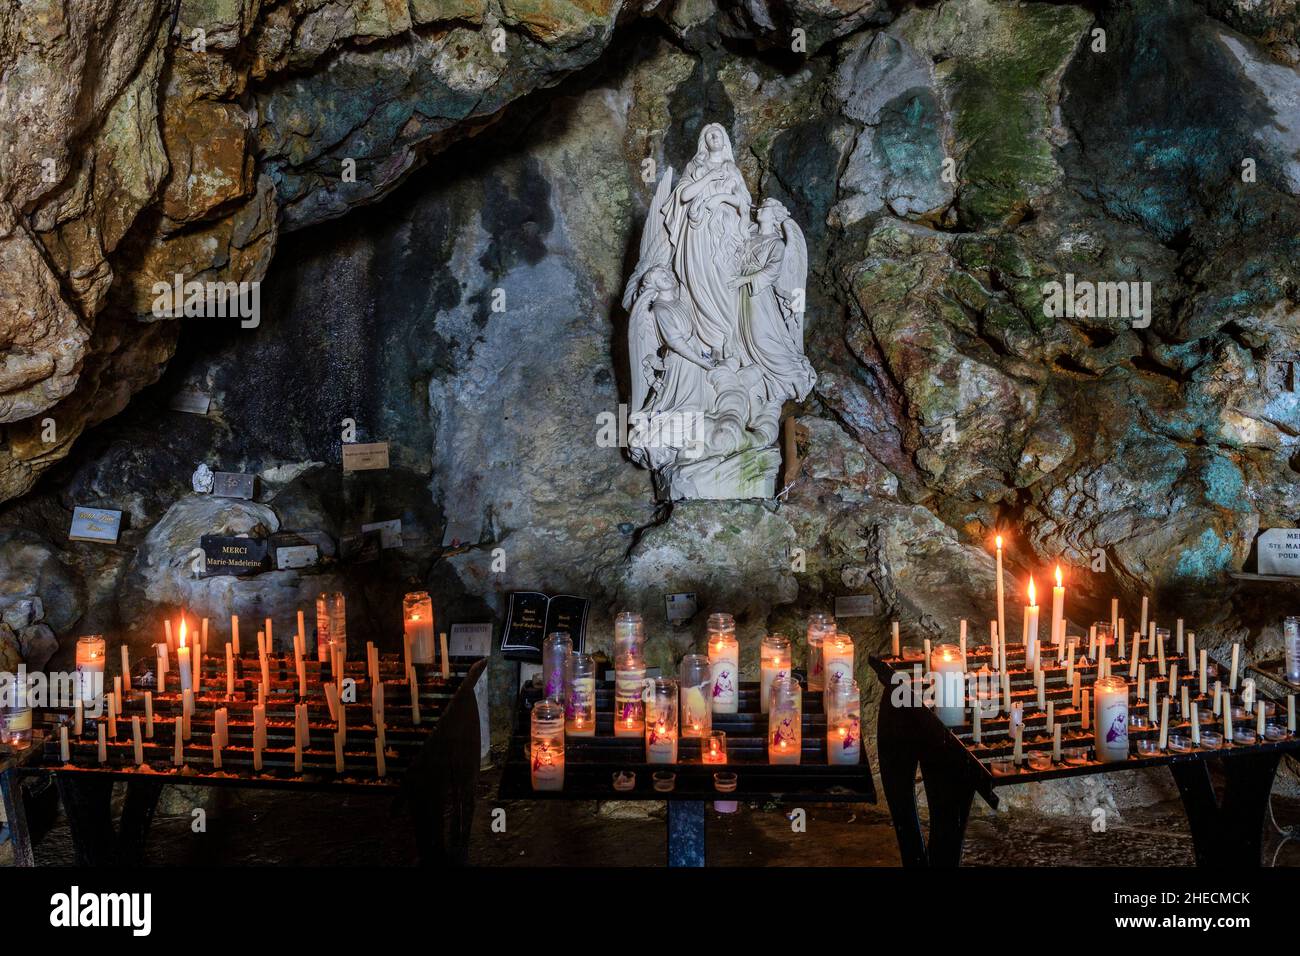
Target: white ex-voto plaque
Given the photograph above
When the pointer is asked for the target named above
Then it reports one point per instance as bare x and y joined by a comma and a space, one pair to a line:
95, 524
1279, 551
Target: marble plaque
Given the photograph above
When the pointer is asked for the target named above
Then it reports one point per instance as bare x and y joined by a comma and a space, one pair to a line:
296, 556
1279, 552
192, 401
855, 605
95, 524
371, 456
227, 484
390, 532
470, 640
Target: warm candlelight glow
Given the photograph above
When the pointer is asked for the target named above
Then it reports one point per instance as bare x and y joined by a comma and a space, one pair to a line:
998, 539
1058, 577
1032, 601
182, 644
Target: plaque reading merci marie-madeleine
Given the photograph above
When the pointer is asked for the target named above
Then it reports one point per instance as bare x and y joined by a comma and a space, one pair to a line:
231, 555
532, 615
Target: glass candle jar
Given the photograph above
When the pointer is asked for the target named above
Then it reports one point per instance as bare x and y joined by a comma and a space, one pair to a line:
949, 684
820, 624
696, 674
91, 655
661, 727
629, 709
713, 748
1105, 637
837, 655
16, 726
556, 650
580, 706
417, 618
774, 663
784, 721
547, 746
1291, 644
332, 622
724, 663
843, 723
629, 635
1110, 719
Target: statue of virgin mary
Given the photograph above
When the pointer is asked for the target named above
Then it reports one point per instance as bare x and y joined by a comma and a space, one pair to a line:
712, 348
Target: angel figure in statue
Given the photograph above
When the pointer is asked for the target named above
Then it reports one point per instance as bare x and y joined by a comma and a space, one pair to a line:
715, 340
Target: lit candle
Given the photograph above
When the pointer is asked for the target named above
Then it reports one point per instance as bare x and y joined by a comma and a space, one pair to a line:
774, 663
183, 661
696, 685
178, 744
1031, 629
629, 709
785, 722
950, 680
662, 722
90, 667
1058, 610
837, 657
417, 613
724, 663
844, 724
546, 747
1002, 601
714, 748
1110, 739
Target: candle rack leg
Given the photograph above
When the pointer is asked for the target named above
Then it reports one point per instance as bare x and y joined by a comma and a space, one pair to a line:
898, 763
949, 798
1227, 832
11, 791
88, 806
137, 816
686, 833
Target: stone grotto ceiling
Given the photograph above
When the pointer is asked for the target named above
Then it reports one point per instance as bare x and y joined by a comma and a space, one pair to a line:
950, 160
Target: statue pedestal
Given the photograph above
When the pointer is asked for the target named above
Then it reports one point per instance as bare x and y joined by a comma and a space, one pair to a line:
751, 473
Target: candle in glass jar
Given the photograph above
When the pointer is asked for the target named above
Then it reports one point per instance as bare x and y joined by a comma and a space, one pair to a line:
774, 663
90, 667
724, 663
696, 678
820, 626
546, 746
629, 635
844, 723
629, 709
713, 748
417, 615
837, 654
785, 721
1110, 737
556, 650
949, 685
580, 709
332, 623
661, 721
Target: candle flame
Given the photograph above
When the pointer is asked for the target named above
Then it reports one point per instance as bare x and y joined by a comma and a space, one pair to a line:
1032, 602
998, 539
1058, 576
182, 632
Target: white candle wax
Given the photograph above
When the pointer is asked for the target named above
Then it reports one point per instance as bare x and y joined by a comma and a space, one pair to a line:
1058, 610
1232, 674
230, 671
1002, 598
446, 659
103, 745
949, 684
724, 665
137, 741
65, 752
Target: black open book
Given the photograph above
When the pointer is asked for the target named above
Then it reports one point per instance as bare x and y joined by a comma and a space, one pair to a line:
532, 615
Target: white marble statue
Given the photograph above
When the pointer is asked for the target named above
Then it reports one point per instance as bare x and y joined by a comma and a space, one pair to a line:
202, 479
715, 338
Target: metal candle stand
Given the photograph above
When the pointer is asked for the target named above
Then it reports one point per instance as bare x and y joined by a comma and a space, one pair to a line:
433, 763
1225, 832
590, 763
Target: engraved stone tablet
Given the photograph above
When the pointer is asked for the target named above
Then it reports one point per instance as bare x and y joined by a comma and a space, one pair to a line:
390, 532
855, 605
191, 400
470, 640
227, 484
365, 457
95, 524
297, 556
1279, 552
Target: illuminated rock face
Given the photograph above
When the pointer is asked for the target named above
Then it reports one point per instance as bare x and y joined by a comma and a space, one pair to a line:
946, 168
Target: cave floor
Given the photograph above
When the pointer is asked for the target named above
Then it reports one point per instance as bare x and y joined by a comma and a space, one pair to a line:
246, 827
